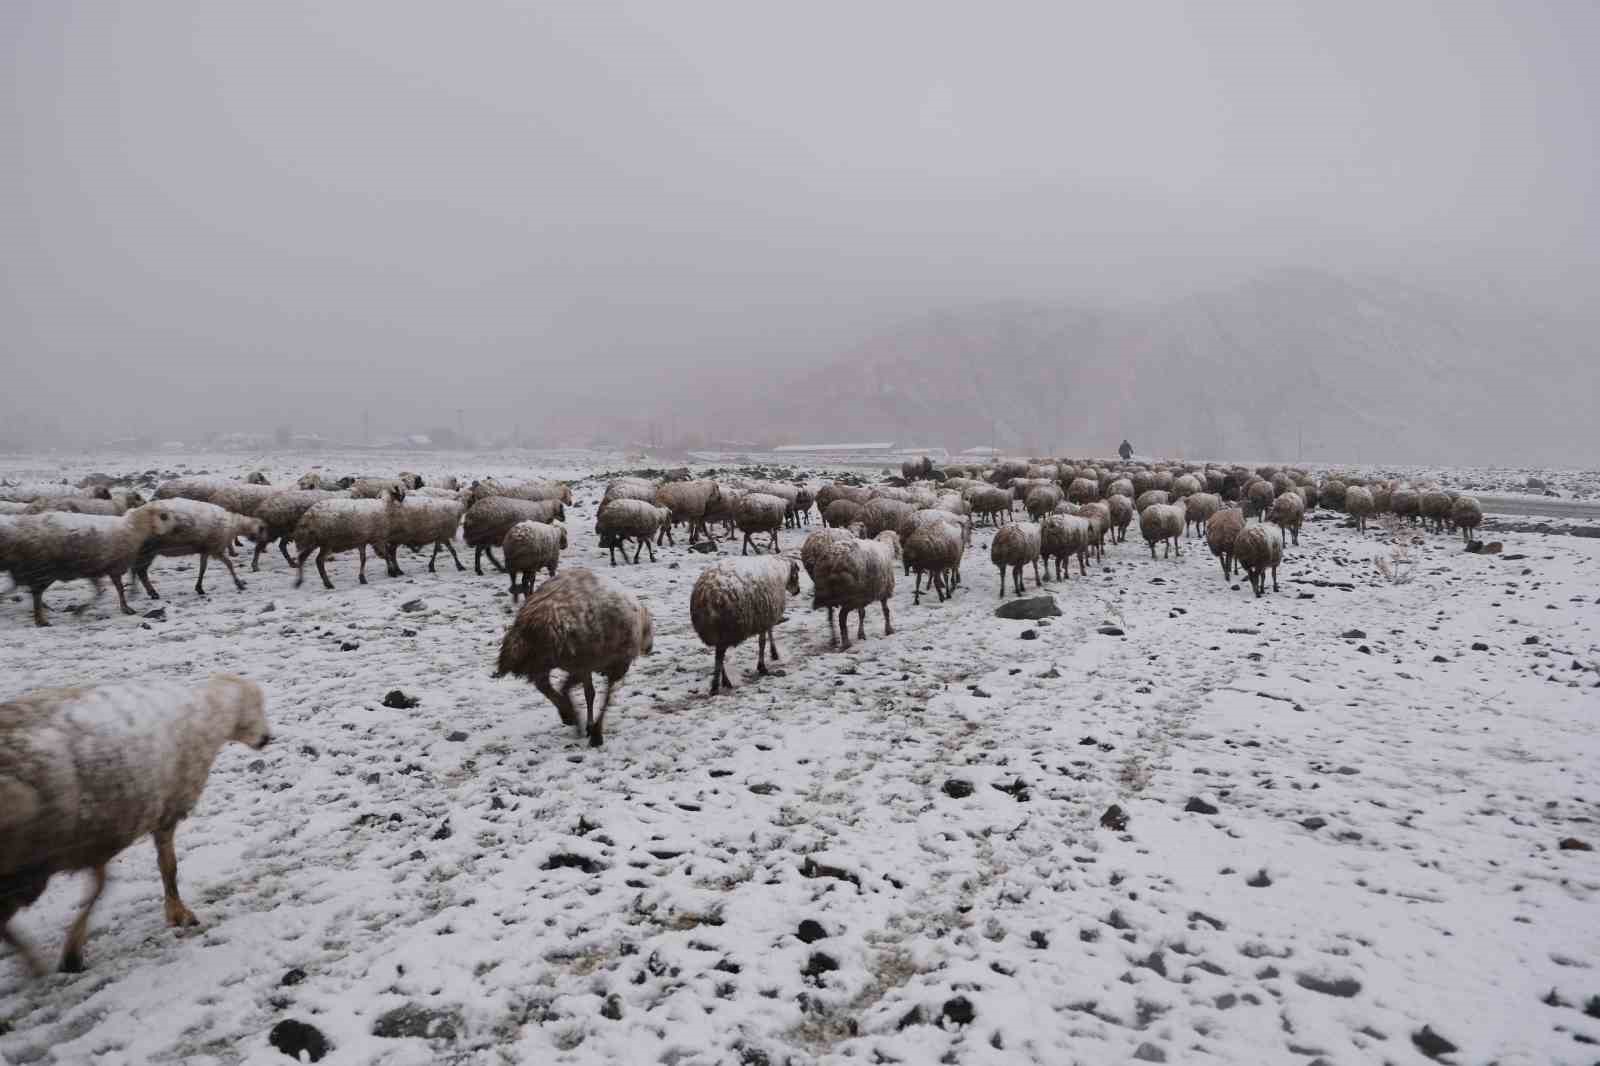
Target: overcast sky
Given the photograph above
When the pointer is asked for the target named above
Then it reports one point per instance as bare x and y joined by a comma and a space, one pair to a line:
284, 212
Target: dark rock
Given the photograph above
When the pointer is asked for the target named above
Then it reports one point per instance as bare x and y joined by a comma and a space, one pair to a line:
1114, 818
456, 736
1353, 634
157, 615
1431, 1043
1530, 640
811, 931
704, 547
269, 608
1029, 609
414, 1020
819, 963
293, 977
399, 700
1148, 1052
292, 1037
612, 1008
1574, 844
1480, 646
1440, 659
1154, 961
416, 856
350, 645
569, 860
1110, 631
1244, 631
958, 1010
1196, 805
443, 832
1038, 939
979, 693
910, 1018
956, 788
812, 868
1592, 1007
1216, 923
1030, 634
1260, 880
1343, 987
1313, 823
413, 606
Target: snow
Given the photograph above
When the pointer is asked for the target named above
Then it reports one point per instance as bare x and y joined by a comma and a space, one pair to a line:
395, 865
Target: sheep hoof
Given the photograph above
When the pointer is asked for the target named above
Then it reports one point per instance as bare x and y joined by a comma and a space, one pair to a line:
179, 916
596, 739
72, 962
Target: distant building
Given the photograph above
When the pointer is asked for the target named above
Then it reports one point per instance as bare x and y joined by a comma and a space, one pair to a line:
835, 449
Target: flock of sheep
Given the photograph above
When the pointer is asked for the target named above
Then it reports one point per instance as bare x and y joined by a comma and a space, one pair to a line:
84, 772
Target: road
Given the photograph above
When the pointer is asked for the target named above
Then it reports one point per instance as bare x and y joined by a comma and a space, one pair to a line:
1544, 506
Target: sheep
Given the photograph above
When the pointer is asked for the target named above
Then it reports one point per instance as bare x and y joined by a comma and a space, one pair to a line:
1150, 498
1358, 504
410, 481
1083, 490
530, 547
1288, 512
736, 599
882, 514
518, 490
853, 574
117, 502
1121, 508
935, 548
1163, 523
30, 493
1187, 485
630, 488
1467, 514
279, 515
1406, 503
202, 529
917, 519
1258, 549
313, 480
803, 500
87, 771
1198, 508
789, 494
622, 520
1332, 494
583, 624
1041, 501
989, 503
721, 513
425, 520
39, 550
373, 488
1061, 537
914, 469
487, 522
760, 512
1016, 545
200, 488
692, 502
1098, 514
832, 491
841, 514
11, 507
337, 525
1222, 530
1258, 497
1436, 507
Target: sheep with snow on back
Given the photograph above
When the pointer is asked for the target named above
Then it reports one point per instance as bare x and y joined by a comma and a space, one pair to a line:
817, 543
1016, 545
117, 502
623, 520
789, 494
1258, 549
516, 489
1121, 514
927, 516
1332, 494
87, 771
1083, 490
803, 500
1288, 513
991, 504
582, 624
854, 574
1041, 501
1061, 538
1150, 498
202, 529
842, 513
935, 548
422, 521
1186, 485
759, 512
1436, 507
1098, 514
39, 550
200, 487
338, 525
630, 488
914, 469
736, 599
884, 513
1162, 523
530, 547
1222, 530
832, 491
1198, 507
279, 515
1358, 504
691, 502
1258, 499
487, 522
1467, 514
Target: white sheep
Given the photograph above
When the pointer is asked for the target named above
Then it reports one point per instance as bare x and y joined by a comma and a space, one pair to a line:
1258, 549
85, 772
202, 529
936, 549
530, 547
1061, 538
630, 519
1016, 545
736, 599
487, 522
1467, 514
1359, 505
1222, 530
853, 574
338, 525
1163, 523
583, 624
760, 512
279, 515
1121, 507
1289, 512
422, 521
692, 502
1198, 507
819, 542
519, 490
630, 488
39, 550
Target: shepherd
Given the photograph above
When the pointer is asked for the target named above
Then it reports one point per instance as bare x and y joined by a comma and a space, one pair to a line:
1126, 451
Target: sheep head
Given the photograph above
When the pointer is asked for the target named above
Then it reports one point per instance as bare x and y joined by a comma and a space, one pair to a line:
247, 705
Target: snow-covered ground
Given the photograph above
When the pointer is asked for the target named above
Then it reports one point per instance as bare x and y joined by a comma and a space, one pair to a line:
892, 854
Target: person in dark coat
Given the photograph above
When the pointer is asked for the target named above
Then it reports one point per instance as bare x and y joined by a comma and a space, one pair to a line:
1126, 451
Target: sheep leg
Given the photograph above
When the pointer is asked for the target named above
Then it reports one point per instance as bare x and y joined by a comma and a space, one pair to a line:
255, 560
1274, 578
772, 643
1083, 564
1177, 547
143, 574
651, 548
178, 915
1036, 582
775, 548
38, 605
516, 586
844, 628
72, 954
451, 548
283, 546
122, 594
746, 549
489, 551
888, 625
638, 550
237, 584
761, 653
613, 547
564, 708
833, 638
717, 671
861, 623
667, 529
322, 568
300, 567
434, 558
477, 560
361, 572
597, 731
20, 946
588, 707
1002, 581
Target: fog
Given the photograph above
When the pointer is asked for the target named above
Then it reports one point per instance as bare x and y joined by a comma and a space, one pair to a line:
239, 217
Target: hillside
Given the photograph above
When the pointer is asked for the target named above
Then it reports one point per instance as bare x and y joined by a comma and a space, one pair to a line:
1297, 363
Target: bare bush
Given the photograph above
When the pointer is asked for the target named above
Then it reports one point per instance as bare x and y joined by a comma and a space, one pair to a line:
1399, 566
